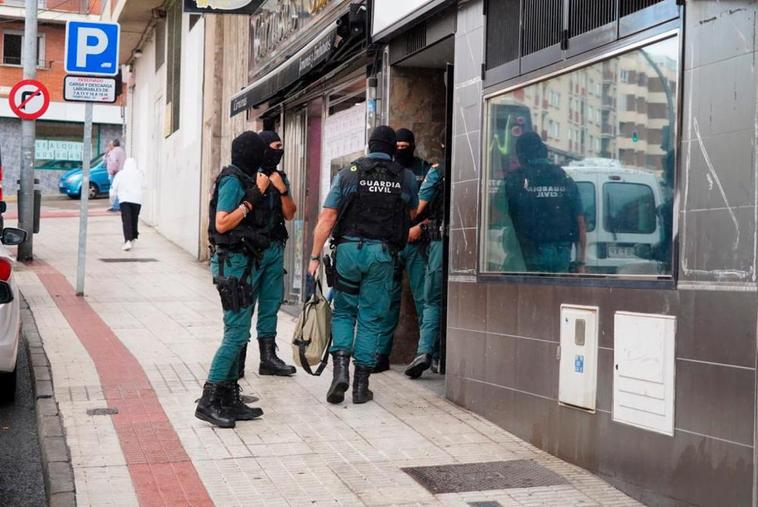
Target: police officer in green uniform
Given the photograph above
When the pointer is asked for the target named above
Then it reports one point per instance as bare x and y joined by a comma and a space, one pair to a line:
409, 259
268, 281
237, 246
546, 210
431, 214
368, 210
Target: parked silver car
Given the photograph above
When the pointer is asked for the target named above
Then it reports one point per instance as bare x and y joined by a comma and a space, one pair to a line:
10, 323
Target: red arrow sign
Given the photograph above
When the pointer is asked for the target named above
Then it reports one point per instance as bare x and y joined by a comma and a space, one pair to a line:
29, 99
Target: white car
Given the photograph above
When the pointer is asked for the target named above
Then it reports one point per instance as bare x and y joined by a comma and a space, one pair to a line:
10, 322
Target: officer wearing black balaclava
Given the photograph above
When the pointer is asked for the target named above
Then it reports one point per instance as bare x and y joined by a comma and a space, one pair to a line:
268, 279
236, 244
368, 212
410, 259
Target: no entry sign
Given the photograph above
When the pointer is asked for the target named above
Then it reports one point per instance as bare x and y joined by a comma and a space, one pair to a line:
29, 99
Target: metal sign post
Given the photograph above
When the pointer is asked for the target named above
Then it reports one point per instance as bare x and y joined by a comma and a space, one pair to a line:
91, 49
84, 199
28, 133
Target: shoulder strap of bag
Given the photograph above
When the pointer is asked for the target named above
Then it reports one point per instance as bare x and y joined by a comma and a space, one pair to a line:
303, 345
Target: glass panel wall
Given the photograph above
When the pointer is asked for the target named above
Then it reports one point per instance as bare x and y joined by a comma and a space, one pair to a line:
580, 169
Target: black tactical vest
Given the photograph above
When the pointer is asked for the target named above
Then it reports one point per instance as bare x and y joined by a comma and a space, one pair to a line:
249, 229
437, 204
544, 211
278, 229
376, 209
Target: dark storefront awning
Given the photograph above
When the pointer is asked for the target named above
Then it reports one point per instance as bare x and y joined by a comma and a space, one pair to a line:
309, 62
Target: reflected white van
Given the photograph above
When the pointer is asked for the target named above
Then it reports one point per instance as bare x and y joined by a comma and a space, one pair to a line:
621, 209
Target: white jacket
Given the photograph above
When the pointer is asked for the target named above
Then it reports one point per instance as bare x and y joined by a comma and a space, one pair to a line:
128, 183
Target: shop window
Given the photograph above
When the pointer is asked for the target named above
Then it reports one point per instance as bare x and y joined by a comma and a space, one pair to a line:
13, 45
174, 62
584, 201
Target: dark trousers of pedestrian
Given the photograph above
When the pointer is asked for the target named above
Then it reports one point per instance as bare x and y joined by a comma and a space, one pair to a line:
130, 220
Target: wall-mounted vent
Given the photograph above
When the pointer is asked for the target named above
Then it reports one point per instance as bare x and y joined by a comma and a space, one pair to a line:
415, 40
586, 15
543, 22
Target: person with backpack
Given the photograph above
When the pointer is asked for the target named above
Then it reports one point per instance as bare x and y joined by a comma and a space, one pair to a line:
237, 246
268, 281
368, 212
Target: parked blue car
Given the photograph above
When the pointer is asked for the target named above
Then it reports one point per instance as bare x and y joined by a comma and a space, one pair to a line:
99, 184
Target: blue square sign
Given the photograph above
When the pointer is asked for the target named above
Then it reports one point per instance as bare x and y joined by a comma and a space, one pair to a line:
579, 364
92, 48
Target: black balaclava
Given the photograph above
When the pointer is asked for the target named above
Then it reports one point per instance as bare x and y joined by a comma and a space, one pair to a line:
405, 156
247, 152
382, 140
530, 148
271, 157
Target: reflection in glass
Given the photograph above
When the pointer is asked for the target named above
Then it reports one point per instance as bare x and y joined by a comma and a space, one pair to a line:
580, 169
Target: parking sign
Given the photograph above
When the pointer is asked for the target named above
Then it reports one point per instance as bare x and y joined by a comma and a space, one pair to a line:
92, 48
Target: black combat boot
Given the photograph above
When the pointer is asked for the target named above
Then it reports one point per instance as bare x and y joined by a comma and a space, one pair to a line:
209, 407
234, 404
382, 363
341, 379
243, 356
419, 365
270, 362
361, 392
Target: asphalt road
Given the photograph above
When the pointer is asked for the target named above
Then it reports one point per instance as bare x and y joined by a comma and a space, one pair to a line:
21, 481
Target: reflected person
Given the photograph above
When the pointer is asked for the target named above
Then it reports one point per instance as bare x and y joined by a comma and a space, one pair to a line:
546, 210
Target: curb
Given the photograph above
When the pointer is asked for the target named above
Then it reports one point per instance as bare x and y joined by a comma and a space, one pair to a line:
57, 470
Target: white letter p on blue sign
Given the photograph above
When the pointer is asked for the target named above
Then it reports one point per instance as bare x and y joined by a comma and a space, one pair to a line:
92, 48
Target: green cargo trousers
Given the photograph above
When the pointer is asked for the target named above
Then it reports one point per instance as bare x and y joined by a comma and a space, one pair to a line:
225, 365
412, 260
268, 289
428, 342
365, 272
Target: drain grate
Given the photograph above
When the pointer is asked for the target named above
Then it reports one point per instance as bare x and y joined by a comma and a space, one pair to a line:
485, 504
102, 411
130, 259
484, 476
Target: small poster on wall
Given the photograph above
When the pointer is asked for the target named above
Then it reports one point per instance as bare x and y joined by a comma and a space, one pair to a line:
222, 6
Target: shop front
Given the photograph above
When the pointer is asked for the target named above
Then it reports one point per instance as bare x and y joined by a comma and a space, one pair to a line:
415, 83
602, 292
307, 69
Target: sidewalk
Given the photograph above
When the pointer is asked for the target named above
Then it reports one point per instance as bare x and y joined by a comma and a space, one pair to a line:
141, 343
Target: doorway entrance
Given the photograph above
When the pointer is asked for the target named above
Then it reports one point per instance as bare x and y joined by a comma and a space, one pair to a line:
420, 99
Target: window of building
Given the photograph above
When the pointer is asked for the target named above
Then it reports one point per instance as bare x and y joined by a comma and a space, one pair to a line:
589, 201
174, 62
160, 44
13, 46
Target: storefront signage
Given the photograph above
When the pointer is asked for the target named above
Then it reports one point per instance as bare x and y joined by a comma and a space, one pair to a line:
222, 6
57, 150
89, 89
277, 22
295, 68
388, 16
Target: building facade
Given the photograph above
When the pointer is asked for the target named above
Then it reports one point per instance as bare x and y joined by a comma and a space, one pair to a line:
60, 130
638, 363
618, 334
163, 53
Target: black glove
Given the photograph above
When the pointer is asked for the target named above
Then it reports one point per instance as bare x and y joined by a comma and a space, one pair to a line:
254, 195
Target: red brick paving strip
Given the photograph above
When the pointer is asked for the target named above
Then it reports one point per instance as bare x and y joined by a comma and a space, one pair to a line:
160, 469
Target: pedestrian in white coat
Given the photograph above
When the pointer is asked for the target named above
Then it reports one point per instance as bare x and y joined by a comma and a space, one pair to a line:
127, 187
